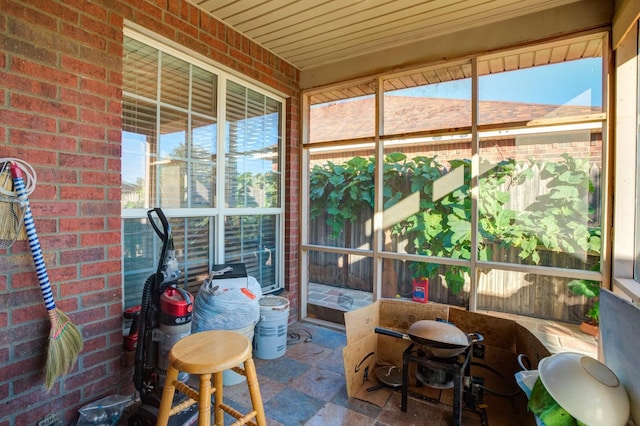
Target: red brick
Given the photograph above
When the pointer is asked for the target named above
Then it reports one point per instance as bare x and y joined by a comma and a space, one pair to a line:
40, 44
4, 389
28, 15
44, 106
33, 384
95, 343
100, 88
213, 42
96, 359
155, 26
57, 175
100, 118
100, 27
115, 310
97, 178
82, 130
99, 208
42, 72
34, 415
88, 375
125, 11
90, 314
115, 48
83, 68
84, 224
83, 99
181, 26
80, 287
62, 275
100, 268
42, 140
115, 138
83, 35
173, 6
82, 193
26, 314
27, 331
60, 11
68, 399
89, 8
101, 149
101, 327
100, 238
81, 256
27, 120
149, 10
237, 54
68, 306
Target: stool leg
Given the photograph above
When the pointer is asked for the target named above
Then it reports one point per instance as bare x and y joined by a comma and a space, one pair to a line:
254, 391
218, 413
204, 400
167, 396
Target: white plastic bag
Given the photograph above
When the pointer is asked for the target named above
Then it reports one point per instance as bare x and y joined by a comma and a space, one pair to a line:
231, 309
103, 412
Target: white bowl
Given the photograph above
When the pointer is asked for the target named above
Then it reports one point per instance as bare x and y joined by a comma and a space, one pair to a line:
586, 388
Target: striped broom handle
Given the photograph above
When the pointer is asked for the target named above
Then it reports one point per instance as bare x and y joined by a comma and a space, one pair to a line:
32, 236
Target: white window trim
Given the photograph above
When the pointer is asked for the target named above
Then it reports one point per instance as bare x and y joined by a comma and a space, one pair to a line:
625, 167
224, 74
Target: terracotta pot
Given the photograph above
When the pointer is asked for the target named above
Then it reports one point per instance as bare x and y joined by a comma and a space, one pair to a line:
590, 328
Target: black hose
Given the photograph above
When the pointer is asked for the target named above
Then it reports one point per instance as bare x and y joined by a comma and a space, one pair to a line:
138, 374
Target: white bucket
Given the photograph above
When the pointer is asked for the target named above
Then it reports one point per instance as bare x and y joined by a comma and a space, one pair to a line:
271, 331
230, 377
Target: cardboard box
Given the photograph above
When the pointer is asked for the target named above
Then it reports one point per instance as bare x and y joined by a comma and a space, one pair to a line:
229, 275
503, 341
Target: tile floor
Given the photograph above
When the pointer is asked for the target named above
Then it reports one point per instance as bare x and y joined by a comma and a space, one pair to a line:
306, 386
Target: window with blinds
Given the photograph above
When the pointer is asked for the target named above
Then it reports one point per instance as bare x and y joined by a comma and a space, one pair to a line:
207, 149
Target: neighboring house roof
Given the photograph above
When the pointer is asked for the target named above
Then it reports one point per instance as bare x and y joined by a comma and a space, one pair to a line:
405, 114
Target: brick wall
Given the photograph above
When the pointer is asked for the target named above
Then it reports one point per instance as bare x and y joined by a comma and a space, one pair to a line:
60, 106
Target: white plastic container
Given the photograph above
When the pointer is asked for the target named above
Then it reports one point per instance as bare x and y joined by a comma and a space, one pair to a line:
271, 331
230, 377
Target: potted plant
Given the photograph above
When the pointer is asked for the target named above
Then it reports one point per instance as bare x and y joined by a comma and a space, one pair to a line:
591, 290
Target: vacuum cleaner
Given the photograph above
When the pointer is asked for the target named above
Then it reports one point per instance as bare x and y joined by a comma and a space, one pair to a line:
163, 317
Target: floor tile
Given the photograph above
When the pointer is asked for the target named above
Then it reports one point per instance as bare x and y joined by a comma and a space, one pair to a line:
321, 336
334, 361
319, 383
284, 370
307, 353
341, 398
240, 392
332, 414
292, 408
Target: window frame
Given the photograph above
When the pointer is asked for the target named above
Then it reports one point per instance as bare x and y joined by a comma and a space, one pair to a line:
378, 253
219, 212
626, 163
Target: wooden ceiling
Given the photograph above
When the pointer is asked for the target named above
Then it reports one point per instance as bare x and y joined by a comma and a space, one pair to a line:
312, 33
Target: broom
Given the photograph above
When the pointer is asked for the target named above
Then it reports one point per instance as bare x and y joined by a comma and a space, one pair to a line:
65, 341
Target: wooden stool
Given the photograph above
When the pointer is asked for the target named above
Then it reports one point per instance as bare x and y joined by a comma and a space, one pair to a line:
208, 354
